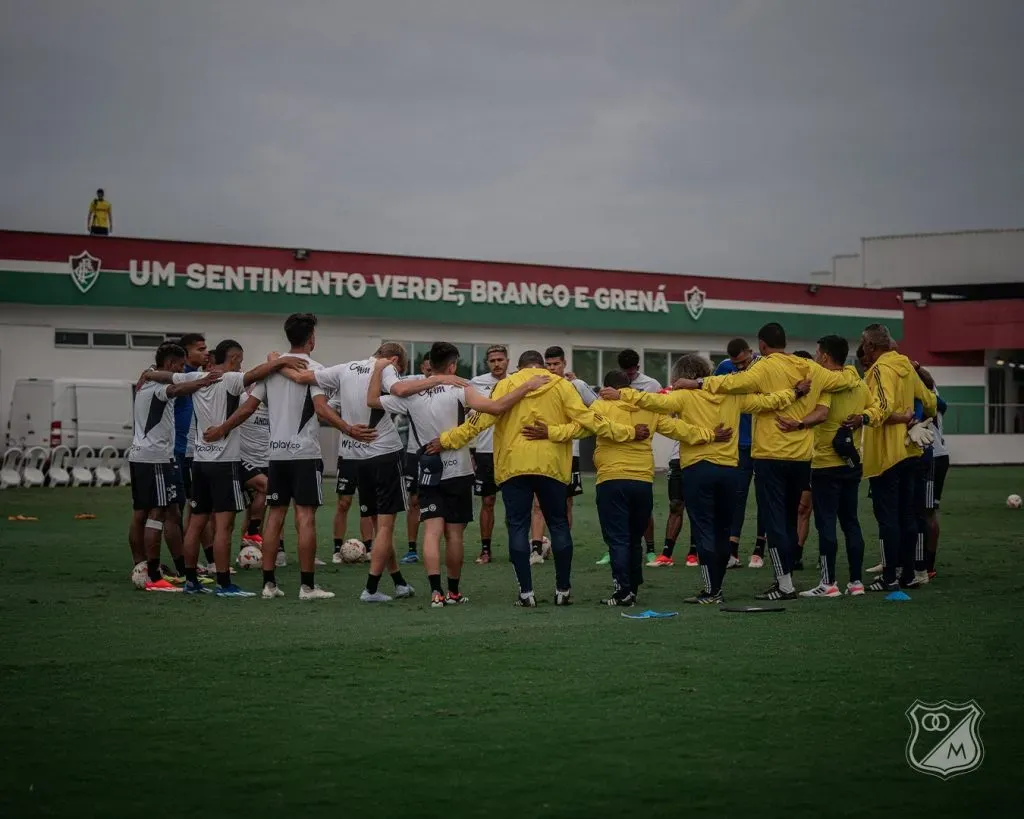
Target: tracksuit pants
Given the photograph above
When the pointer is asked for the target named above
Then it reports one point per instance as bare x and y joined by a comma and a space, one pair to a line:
779, 485
710, 491
517, 494
892, 496
744, 475
624, 509
834, 492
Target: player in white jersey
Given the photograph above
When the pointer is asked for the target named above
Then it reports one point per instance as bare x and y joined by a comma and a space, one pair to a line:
151, 463
446, 479
295, 473
412, 511
482, 450
254, 445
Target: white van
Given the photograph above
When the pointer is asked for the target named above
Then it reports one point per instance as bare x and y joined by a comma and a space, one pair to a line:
71, 412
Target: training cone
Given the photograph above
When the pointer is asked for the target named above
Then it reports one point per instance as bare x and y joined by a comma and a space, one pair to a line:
898, 597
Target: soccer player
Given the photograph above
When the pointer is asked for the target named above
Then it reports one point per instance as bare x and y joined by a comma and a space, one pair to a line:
782, 460
482, 450
153, 468
709, 478
445, 483
254, 446
525, 468
346, 487
411, 470
835, 473
803, 514
196, 357
892, 387
625, 480
295, 473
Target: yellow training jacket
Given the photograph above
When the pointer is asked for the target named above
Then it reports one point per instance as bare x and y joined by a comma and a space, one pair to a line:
772, 373
706, 410
893, 384
557, 402
841, 405
630, 460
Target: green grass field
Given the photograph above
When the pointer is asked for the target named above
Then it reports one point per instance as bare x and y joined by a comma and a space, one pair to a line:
119, 703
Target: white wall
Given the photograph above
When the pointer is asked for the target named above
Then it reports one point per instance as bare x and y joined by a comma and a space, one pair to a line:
847, 271
973, 450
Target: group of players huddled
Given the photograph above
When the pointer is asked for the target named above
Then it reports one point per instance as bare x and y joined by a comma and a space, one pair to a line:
220, 441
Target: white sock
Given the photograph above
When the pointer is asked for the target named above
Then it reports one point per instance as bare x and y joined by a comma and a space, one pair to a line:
786, 583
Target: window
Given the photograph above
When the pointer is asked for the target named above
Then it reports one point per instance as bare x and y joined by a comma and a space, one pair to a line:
71, 338
655, 364
147, 340
472, 357
109, 339
586, 364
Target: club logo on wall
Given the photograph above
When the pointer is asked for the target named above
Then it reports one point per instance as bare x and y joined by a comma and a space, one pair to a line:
695, 301
85, 270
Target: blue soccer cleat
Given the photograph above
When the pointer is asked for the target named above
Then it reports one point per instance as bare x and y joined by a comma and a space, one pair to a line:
192, 587
410, 557
232, 591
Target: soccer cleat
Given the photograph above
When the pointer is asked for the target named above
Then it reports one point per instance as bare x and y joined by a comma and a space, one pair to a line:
855, 589
704, 598
232, 591
931, 574
253, 540
455, 599
652, 559
376, 597
336, 558
318, 562
271, 590
734, 562
692, 561
314, 593
436, 600
821, 590
756, 562
404, 591
913, 583
176, 579
881, 586
161, 586
410, 557
526, 601
281, 560
536, 558
875, 569
662, 560
485, 557
626, 602
563, 598
775, 593
923, 578
196, 587
605, 560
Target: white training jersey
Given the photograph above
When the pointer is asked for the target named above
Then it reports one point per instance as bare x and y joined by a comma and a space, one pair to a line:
402, 421
484, 384
588, 396
645, 383
153, 425
212, 406
294, 427
351, 382
190, 437
430, 413
939, 448
254, 436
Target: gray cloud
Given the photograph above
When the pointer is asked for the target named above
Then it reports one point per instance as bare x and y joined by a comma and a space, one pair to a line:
750, 138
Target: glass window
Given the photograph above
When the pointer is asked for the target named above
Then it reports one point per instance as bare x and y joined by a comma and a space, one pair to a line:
147, 340
586, 364
656, 366
109, 339
71, 338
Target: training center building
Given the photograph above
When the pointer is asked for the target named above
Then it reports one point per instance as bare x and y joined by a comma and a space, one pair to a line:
96, 307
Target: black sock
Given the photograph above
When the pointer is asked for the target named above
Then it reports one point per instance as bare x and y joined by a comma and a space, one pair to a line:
759, 545
670, 546
254, 526
306, 579
485, 545
337, 544
412, 546
153, 567
372, 582
280, 546
538, 546
453, 585
692, 551
269, 577
435, 583
368, 544
223, 579
734, 548
192, 574
649, 545
179, 565
208, 551
929, 559
799, 553
399, 580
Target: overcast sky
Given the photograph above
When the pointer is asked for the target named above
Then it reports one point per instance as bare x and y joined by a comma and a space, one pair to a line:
722, 137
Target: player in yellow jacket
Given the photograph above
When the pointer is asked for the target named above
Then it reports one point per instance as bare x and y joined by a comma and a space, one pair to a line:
890, 446
782, 460
711, 473
625, 479
524, 468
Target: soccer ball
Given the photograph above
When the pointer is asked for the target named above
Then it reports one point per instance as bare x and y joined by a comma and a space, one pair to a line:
545, 547
1013, 502
250, 557
140, 575
353, 551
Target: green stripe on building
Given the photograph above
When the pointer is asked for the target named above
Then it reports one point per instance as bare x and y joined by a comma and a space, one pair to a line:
966, 413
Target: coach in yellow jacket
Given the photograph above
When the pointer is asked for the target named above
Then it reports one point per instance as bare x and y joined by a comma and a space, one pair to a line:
525, 468
625, 479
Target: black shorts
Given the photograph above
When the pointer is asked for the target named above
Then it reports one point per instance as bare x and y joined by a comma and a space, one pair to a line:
183, 478
216, 487
95, 230
452, 499
154, 486
575, 486
348, 477
412, 473
675, 482
300, 482
484, 485
382, 485
936, 481
251, 470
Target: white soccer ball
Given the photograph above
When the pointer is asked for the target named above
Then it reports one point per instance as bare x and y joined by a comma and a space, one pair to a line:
545, 547
140, 575
353, 551
250, 557
1014, 502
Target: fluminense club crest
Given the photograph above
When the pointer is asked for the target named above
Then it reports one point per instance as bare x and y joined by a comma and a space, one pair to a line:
944, 739
695, 301
85, 270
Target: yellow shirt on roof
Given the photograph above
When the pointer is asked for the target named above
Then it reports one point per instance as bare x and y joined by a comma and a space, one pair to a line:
99, 210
